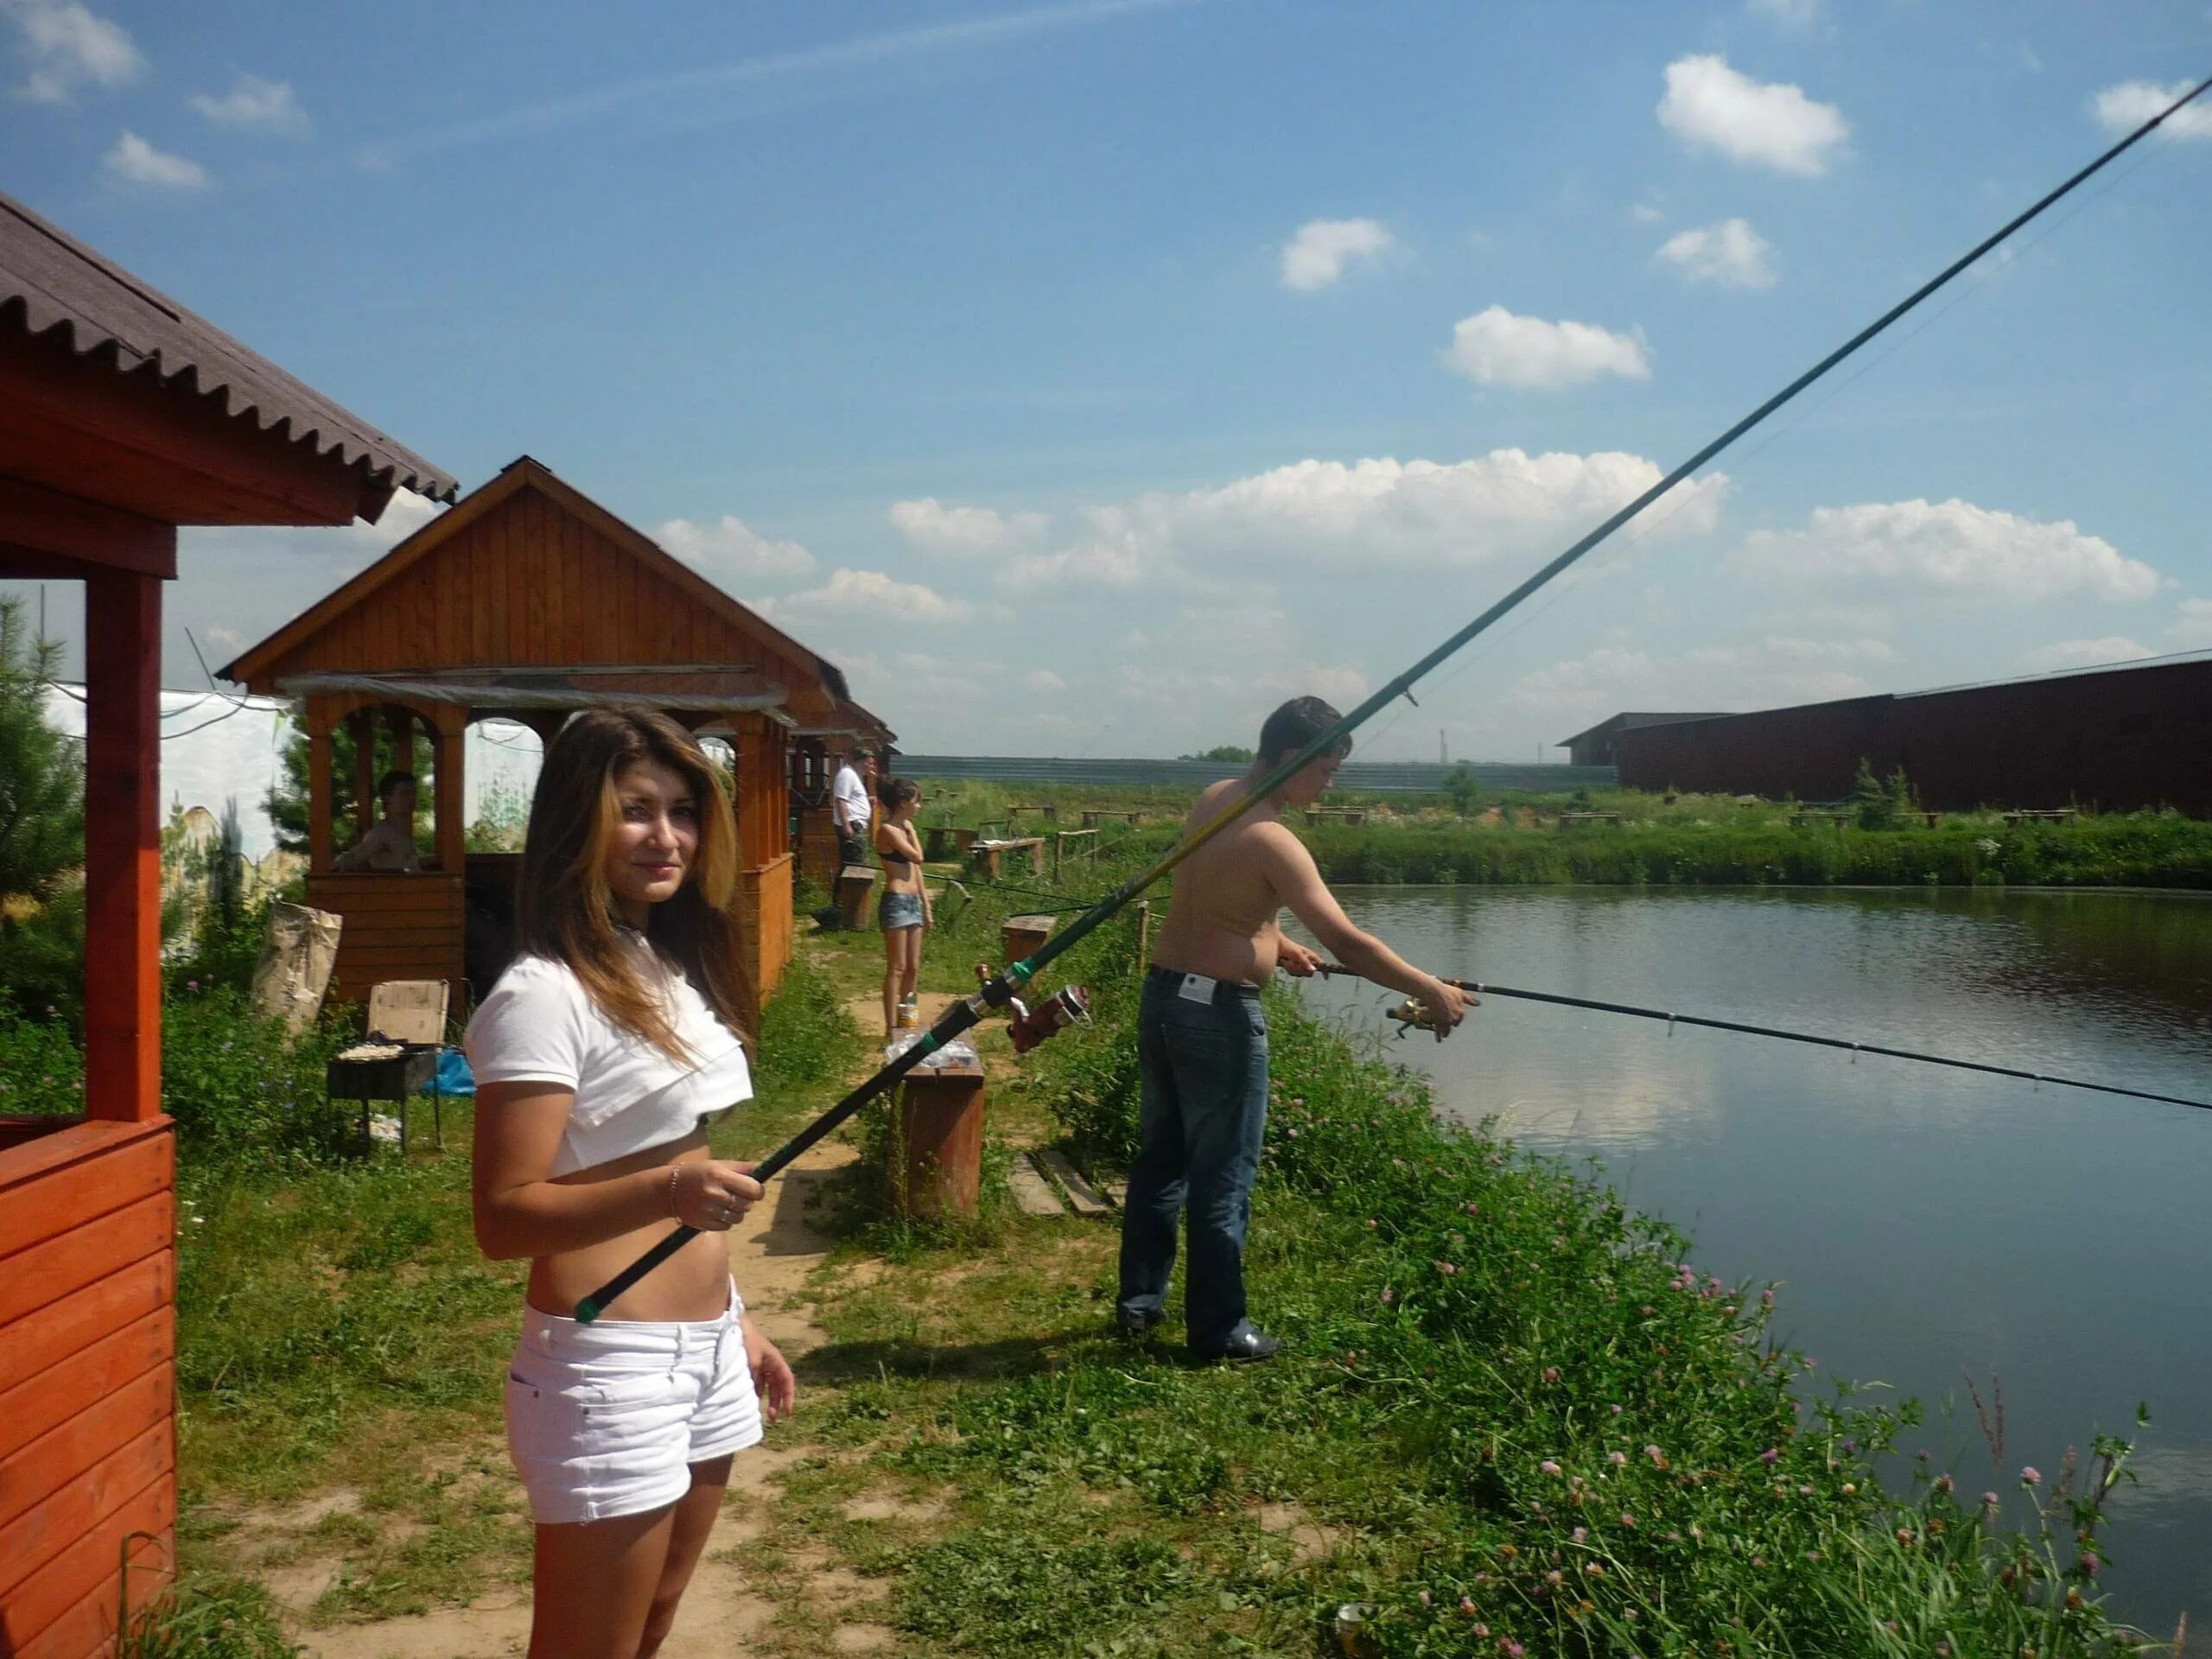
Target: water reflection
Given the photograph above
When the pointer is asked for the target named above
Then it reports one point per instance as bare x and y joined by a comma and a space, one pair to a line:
1925, 1222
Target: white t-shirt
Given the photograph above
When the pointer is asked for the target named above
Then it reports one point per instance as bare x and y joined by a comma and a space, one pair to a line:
539, 1025
852, 793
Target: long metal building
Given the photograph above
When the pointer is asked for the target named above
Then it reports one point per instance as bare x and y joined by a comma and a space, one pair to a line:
2134, 735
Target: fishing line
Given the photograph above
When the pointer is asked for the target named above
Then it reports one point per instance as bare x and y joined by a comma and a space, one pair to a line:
1481, 988
1001, 991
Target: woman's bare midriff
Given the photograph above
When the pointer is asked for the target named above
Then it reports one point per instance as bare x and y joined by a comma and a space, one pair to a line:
693, 1284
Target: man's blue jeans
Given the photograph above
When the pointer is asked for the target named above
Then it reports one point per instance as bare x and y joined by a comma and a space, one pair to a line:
1203, 1065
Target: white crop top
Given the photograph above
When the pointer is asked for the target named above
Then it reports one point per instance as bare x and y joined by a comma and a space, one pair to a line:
539, 1025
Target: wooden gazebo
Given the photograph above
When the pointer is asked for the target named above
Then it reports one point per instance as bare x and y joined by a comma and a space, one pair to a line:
527, 602
122, 416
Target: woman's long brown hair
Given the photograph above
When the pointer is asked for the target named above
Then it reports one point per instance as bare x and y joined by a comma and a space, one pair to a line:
565, 911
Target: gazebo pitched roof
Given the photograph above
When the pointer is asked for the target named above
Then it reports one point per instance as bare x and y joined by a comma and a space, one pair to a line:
59, 292
288, 651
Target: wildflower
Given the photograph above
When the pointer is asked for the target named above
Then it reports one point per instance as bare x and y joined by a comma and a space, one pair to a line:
191, 984
1508, 1646
1617, 1411
1551, 1373
1467, 1606
1766, 1299
1658, 1458
1507, 1551
2073, 1601
1582, 1533
1810, 1362
1447, 1268
1905, 1536
1758, 1560
1942, 1483
1370, 1224
1293, 1134
2031, 1476
1474, 1210
1554, 1578
1850, 1489
1386, 1296
1424, 1598
1772, 1454
1548, 1466
1595, 1569
2090, 1564
1851, 1446
1616, 1458
1627, 1519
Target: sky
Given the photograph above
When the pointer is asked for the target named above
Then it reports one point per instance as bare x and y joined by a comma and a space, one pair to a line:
1085, 379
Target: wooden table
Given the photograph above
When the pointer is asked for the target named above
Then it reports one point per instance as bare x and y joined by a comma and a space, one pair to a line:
988, 853
1092, 814
1089, 847
1020, 935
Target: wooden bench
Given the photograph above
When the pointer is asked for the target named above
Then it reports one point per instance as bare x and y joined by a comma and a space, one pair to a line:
1021, 935
1567, 820
941, 841
1091, 815
988, 854
1340, 814
1050, 812
2041, 815
1835, 814
855, 885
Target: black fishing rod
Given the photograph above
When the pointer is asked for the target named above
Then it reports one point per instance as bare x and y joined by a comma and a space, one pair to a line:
1001, 991
1411, 1014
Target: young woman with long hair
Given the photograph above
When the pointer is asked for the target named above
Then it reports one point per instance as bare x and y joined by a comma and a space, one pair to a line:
600, 1056
903, 912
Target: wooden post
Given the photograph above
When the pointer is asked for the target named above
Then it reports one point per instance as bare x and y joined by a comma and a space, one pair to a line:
1056, 855
452, 833
362, 722
1144, 934
318, 797
401, 722
941, 1140
123, 846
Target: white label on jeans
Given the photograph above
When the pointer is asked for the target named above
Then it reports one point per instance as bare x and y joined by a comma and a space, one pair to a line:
1197, 988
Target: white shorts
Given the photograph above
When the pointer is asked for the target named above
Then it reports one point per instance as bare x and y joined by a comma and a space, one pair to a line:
608, 1418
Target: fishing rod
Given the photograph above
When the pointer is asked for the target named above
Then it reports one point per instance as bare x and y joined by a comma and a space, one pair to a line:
1001, 991
1411, 1014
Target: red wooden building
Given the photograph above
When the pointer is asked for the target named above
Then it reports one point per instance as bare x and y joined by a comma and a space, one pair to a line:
527, 602
122, 416
814, 767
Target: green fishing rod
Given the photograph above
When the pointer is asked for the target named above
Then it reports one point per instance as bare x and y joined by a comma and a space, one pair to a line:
1411, 1014
1001, 991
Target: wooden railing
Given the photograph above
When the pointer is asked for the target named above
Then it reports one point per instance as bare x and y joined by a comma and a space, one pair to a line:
397, 927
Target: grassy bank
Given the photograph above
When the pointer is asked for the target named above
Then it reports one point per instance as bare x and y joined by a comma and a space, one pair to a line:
1514, 1417
1671, 840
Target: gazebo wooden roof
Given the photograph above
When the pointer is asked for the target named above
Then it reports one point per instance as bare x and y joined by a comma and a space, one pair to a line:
527, 602
122, 416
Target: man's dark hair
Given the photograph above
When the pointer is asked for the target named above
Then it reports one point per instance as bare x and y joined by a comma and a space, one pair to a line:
391, 781
1295, 725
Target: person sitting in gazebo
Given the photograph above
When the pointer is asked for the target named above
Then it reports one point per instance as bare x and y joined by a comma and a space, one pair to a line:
391, 845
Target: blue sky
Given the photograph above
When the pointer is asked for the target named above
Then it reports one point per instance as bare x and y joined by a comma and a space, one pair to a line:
1088, 378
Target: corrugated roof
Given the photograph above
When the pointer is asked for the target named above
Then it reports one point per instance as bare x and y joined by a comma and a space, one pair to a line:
49, 281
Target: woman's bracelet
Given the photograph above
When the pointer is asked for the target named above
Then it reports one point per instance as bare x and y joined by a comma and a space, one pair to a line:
674, 1170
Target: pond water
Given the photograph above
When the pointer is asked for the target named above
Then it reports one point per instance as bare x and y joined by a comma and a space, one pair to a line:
1923, 1222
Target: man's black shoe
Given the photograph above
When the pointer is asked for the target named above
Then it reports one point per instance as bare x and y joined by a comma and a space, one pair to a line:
1253, 1345
1135, 1324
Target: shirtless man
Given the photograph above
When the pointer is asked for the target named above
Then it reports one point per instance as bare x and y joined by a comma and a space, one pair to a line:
1201, 1039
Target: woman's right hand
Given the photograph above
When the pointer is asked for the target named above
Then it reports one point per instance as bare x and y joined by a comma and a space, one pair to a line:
711, 1195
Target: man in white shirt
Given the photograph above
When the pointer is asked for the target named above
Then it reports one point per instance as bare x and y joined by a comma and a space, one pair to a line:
391, 845
852, 805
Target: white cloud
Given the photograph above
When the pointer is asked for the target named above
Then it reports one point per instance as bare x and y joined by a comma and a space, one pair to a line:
1043, 679
69, 46
253, 104
1950, 547
1774, 670
1795, 15
1761, 124
1367, 516
964, 531
870, 596
2123, 108
731, 553
2086, 653
1494, 347
1316, 256
1730, 253
2193, 627
136, 162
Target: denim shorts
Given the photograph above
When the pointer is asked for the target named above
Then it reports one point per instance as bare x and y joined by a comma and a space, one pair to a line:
608, 1418
896, 910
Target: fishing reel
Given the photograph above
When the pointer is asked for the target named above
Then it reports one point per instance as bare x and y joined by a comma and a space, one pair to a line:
1412, 1014
1028, 1027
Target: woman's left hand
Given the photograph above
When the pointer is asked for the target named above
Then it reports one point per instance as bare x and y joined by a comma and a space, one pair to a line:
772, 1374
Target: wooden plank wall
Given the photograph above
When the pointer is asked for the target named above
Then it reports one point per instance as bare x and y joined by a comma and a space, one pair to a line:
765, 918
87, 1381
531, 585
397, 927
